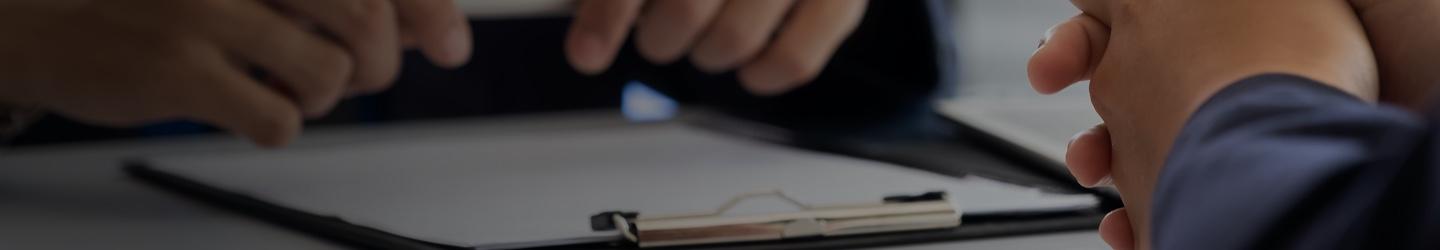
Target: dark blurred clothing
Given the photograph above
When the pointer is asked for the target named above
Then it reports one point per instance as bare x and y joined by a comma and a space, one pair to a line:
1282, 162
883, 77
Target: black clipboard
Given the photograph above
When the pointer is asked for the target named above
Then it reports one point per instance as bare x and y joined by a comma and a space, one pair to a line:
915, 154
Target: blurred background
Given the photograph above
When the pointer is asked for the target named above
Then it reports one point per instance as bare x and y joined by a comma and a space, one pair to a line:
996, 38
55, 193
518, 68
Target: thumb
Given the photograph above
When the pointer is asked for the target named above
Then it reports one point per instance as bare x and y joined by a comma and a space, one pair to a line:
1069, 53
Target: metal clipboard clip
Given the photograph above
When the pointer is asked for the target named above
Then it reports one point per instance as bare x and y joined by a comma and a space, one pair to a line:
931, 210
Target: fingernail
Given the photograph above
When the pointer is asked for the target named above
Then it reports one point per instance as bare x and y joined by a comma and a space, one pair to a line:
1106, 181
1075, 137
1048, 33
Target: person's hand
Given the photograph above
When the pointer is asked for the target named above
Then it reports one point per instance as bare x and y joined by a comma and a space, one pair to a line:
1152, 63
776, 45
1407, 48
249, 66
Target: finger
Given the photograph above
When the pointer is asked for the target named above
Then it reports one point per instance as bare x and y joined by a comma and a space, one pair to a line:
739, 33
1116, 231
598, 31
438, 28
1069, 54
668, 28
231, 100
1101, 10
367, 28
1088, 157
804, 46
309, 68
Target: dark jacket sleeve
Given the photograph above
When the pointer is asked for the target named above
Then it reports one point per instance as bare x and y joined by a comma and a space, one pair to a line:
1282, 162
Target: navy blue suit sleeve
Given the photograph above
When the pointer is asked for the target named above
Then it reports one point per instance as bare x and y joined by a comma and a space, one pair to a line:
1283, 162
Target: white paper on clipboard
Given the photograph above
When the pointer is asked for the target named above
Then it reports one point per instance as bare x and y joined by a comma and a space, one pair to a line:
474, 188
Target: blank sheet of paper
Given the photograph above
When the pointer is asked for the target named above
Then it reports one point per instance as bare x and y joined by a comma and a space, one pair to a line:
486, 188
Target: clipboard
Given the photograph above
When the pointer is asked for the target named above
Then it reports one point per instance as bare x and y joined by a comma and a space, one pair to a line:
978, 226
975, 225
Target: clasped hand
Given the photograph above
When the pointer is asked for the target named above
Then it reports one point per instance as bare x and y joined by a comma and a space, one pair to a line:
1151, 63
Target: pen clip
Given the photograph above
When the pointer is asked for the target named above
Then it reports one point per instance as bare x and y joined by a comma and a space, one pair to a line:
735, 201
897, 213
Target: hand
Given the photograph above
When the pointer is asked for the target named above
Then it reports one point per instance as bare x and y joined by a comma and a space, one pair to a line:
777, 45
373, 30
1407, 48
1400, 32
127, 63
1152, 64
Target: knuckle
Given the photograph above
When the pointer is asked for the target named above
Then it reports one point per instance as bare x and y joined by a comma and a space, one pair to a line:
370, 7
376, 80
690, 15
728, 46
329, 73
736, 40
173, 48
799, 67
432, 13
375, 72
320, 65
1102, 87
204, 15
368, 15
331, 66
